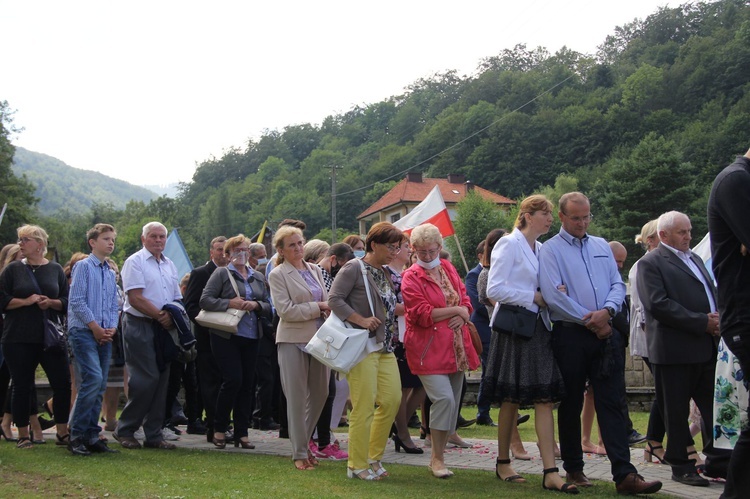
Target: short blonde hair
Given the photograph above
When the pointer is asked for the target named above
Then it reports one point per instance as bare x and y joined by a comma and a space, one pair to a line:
425, 234
34, 232
278, 240
315, 249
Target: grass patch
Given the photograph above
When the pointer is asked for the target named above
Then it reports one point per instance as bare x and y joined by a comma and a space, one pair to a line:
48, 470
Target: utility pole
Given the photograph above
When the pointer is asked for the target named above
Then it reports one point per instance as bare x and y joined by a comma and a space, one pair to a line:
333, 201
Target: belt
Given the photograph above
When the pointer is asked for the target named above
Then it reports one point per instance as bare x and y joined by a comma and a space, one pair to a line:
139, 318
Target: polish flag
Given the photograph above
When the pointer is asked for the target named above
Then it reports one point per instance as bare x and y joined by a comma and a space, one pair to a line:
430, 211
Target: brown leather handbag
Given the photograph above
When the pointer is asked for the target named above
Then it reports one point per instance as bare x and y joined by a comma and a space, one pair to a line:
475, 339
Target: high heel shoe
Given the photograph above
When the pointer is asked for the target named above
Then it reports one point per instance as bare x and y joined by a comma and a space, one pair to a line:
444, 473
458, 441
513, 478
567, 488
399, 444
220, 443
6, 436
422, 433
649, 455
243, 443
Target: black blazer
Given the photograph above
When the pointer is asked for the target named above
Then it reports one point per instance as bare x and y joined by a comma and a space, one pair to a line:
676, 308
198, 279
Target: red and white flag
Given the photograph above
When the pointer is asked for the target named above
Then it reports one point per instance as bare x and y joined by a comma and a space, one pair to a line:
430, 211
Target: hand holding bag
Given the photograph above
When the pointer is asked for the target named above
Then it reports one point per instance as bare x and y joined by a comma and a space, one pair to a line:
54, 330
515, 320
340, 345
226, 320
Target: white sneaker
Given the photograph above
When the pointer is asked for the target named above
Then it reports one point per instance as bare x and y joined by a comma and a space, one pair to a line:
139, 434
169, 434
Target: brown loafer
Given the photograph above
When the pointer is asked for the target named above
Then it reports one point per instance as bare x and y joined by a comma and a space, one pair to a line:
579, 479
161, 444
636, 484
127, 442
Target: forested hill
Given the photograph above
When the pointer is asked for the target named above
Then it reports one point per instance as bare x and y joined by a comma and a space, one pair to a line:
643, 126
60, 187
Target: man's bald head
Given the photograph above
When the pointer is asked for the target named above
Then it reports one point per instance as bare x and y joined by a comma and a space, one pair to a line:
619, 252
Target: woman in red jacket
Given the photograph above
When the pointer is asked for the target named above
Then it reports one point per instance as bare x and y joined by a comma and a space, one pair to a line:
437, 341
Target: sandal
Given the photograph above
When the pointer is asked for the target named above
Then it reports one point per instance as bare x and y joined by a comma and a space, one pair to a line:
379, 471
312, 459
700, 467
62, 440
566, 488
220, 443
649, 454
365, 474
24, 443
512, 478
35, 441
303, 465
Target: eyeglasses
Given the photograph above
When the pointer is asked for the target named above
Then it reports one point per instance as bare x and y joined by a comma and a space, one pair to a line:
428, 253
25, 240
240, 250
393, 249
584, 219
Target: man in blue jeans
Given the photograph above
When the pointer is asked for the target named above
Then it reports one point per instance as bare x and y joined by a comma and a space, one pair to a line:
92, 321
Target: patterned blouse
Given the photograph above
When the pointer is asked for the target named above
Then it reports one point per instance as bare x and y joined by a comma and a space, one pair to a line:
388, 296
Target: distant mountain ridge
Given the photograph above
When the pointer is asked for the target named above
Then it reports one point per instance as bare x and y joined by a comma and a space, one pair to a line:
60, 186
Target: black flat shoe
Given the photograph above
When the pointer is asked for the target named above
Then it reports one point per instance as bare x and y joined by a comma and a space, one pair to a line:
567, 488
78, 448
691, 478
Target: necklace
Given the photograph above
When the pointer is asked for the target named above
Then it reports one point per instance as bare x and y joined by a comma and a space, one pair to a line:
34, 268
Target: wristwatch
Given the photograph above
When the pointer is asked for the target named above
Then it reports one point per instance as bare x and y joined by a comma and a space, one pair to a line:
610, 310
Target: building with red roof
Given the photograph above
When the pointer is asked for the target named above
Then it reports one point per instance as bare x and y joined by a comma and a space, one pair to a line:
408, 193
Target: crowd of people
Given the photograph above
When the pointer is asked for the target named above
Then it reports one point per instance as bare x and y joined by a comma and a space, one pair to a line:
549, 324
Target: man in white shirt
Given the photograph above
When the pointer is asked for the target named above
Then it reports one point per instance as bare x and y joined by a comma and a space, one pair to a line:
150, 281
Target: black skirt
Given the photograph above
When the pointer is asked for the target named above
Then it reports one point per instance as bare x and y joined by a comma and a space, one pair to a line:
523, 371
408, 379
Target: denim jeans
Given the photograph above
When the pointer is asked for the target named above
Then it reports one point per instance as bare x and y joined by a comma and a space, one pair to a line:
91, 362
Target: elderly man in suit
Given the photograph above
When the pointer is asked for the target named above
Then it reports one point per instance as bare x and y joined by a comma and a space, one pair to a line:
209, 376
679, 298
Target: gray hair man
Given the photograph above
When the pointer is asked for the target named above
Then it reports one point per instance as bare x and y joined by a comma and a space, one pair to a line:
150, 281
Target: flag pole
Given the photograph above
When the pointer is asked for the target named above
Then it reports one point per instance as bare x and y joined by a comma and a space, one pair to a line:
461, 252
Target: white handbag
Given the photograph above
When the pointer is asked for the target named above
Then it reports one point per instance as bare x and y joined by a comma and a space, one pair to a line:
226, 320
338, 344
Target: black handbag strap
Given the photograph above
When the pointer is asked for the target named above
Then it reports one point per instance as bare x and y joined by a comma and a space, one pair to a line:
36, 283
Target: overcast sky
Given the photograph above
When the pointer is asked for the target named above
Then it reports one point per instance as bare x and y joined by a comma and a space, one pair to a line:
144, 90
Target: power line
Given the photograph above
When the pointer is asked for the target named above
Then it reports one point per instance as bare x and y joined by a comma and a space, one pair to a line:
398, 174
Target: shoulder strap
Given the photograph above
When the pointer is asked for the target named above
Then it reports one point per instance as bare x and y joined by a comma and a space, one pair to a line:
367, 285
234, 283
33, 277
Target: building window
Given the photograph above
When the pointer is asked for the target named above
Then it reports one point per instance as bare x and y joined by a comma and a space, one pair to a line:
395, 217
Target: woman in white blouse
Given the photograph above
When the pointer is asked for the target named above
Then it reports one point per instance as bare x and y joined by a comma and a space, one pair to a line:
523, 371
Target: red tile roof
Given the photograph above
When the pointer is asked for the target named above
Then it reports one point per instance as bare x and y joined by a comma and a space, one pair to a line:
415, 192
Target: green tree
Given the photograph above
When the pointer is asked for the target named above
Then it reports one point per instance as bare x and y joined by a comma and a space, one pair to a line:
17, 192
638, 186
475, 217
